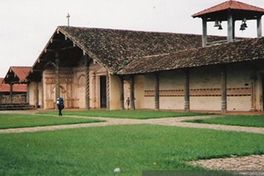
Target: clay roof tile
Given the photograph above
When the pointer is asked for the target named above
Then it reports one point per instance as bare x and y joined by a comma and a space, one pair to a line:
231, 4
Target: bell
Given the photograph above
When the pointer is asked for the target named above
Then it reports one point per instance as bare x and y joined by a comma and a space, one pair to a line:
245, 25
216, 23
242, 27
220, 27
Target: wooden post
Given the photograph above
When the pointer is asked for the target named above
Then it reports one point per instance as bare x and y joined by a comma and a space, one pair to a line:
223, 90
11, 93
230, 28
187, 91
27, 100
132, 92
253, 79
122, 93
107, 90
94, 89
204, 39
259, 27
37, 95
87, 83
157, 96
57, 75
43, 99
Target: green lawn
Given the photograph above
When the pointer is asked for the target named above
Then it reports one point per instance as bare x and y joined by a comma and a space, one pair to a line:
132, 148
132, 114
28, 120
250, 121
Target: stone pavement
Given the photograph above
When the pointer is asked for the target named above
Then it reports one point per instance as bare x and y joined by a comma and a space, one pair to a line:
248, 163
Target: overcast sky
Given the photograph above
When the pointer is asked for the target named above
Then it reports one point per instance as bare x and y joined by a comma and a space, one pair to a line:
27, 25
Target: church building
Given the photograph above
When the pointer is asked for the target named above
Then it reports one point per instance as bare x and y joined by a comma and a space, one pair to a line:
93, 68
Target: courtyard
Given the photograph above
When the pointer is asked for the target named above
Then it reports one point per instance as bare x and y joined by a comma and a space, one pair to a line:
96, 145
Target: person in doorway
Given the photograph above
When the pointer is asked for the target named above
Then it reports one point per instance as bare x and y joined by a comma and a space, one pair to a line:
60, 105
128, 102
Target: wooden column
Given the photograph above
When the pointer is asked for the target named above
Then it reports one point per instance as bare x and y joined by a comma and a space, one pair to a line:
259, 27
37, 95
204, 39
230, 28
107, 91
132, 92
87, 83
11, 93
43, 97
94, 89
28, 93
223, 90
122, 107
187, 91
57, 69
253, 79
234, 31
157, 96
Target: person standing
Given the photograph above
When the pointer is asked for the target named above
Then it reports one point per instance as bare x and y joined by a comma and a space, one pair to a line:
60, 105
128, 102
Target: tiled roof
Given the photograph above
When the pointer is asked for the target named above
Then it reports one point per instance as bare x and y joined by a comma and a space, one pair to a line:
115, 49
136, 52
17, 74
247, 50
5, 88
229, 5
21, 72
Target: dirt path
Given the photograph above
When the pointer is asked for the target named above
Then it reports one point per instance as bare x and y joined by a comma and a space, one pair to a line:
162, 121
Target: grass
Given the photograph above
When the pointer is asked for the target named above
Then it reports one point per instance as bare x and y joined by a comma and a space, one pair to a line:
132, 148
249, 121
131, 114
28, 120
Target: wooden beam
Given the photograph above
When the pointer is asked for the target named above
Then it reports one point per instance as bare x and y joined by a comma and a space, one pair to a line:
48, 50
66, 48
36, 70
55, 40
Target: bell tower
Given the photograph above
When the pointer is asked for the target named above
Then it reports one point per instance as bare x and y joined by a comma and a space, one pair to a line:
230, 11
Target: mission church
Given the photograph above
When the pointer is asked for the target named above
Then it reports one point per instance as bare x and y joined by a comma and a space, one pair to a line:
94, 68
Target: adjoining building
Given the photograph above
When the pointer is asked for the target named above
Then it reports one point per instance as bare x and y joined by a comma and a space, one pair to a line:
14, 83
13, 89
101, 68
19, 93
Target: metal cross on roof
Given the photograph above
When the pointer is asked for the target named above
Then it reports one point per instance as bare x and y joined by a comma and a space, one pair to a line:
68, 16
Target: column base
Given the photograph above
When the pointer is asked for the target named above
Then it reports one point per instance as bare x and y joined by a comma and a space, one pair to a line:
253, 110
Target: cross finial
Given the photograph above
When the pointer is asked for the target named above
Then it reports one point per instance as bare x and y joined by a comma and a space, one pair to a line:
68, 16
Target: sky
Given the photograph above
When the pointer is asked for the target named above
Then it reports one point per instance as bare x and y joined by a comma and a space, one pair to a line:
27, 25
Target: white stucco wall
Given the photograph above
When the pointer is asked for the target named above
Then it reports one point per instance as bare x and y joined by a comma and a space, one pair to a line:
169, 80
205, 88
